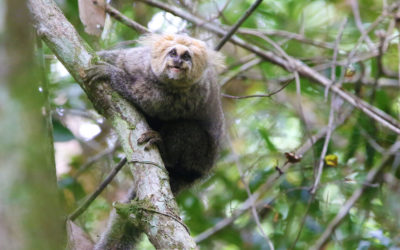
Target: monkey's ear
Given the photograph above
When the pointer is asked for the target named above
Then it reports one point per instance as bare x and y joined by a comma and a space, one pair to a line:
148, 39
216, 59
155, 40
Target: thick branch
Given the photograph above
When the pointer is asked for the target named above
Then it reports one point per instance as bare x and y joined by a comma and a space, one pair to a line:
150, 181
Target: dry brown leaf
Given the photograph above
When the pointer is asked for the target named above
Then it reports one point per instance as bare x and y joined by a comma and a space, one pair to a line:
92, 16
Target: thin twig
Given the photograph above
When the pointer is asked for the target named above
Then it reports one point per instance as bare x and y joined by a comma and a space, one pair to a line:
249, 194
176, 218
357, 18
98, 191
377, 21
260, 95
288, 35
327, 137
372, 142
389, 37
331, 114
242, 68
234, 28
301, 151
220, 12
397, 24
149, 163
92, 160
335, 52
303, 221
227, 221
301, 112
297, 81
125, 20
326, 141
325, 147
239, 62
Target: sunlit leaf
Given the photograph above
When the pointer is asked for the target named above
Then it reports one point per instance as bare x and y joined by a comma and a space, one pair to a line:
331, 160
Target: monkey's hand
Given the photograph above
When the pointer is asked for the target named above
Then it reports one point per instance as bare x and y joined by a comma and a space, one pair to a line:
101, 71
150, 138
118, 79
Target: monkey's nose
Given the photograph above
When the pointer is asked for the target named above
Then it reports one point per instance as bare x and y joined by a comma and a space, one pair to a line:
177, 62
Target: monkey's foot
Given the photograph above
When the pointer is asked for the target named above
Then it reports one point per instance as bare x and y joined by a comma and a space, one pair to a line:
150, 137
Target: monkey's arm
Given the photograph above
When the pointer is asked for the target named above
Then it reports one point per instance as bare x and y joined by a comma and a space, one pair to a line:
124, 84
110, 56
118, 79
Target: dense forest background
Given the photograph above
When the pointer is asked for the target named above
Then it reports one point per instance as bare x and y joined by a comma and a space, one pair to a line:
312, 104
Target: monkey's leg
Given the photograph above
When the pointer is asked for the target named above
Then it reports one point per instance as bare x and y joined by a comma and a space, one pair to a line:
190, 153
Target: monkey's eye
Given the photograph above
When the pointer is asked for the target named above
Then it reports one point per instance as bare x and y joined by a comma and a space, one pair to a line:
186, 56
173, 52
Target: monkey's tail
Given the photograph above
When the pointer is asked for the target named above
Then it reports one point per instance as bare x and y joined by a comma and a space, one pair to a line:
120, 234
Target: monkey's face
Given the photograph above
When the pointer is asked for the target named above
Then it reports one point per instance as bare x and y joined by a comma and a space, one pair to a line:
178, 60
178, 63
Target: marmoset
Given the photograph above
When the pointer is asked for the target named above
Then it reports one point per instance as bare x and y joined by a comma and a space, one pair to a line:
172, 80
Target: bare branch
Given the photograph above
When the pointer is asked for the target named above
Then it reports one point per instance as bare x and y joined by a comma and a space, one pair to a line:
125, 20
228, 221
93, 159
239, 62
357, 18
250, 195
331, 114
260, 95
242, 68
288, 35
397, 24
234, 28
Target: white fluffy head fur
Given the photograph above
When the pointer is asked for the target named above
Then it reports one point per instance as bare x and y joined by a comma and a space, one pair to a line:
202, 57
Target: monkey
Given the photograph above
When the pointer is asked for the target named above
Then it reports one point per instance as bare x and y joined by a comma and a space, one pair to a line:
172, 80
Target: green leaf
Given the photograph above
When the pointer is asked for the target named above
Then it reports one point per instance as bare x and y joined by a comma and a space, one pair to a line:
61, 133
264, 134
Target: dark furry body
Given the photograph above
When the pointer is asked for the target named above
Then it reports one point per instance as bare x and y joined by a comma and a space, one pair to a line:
189, 120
